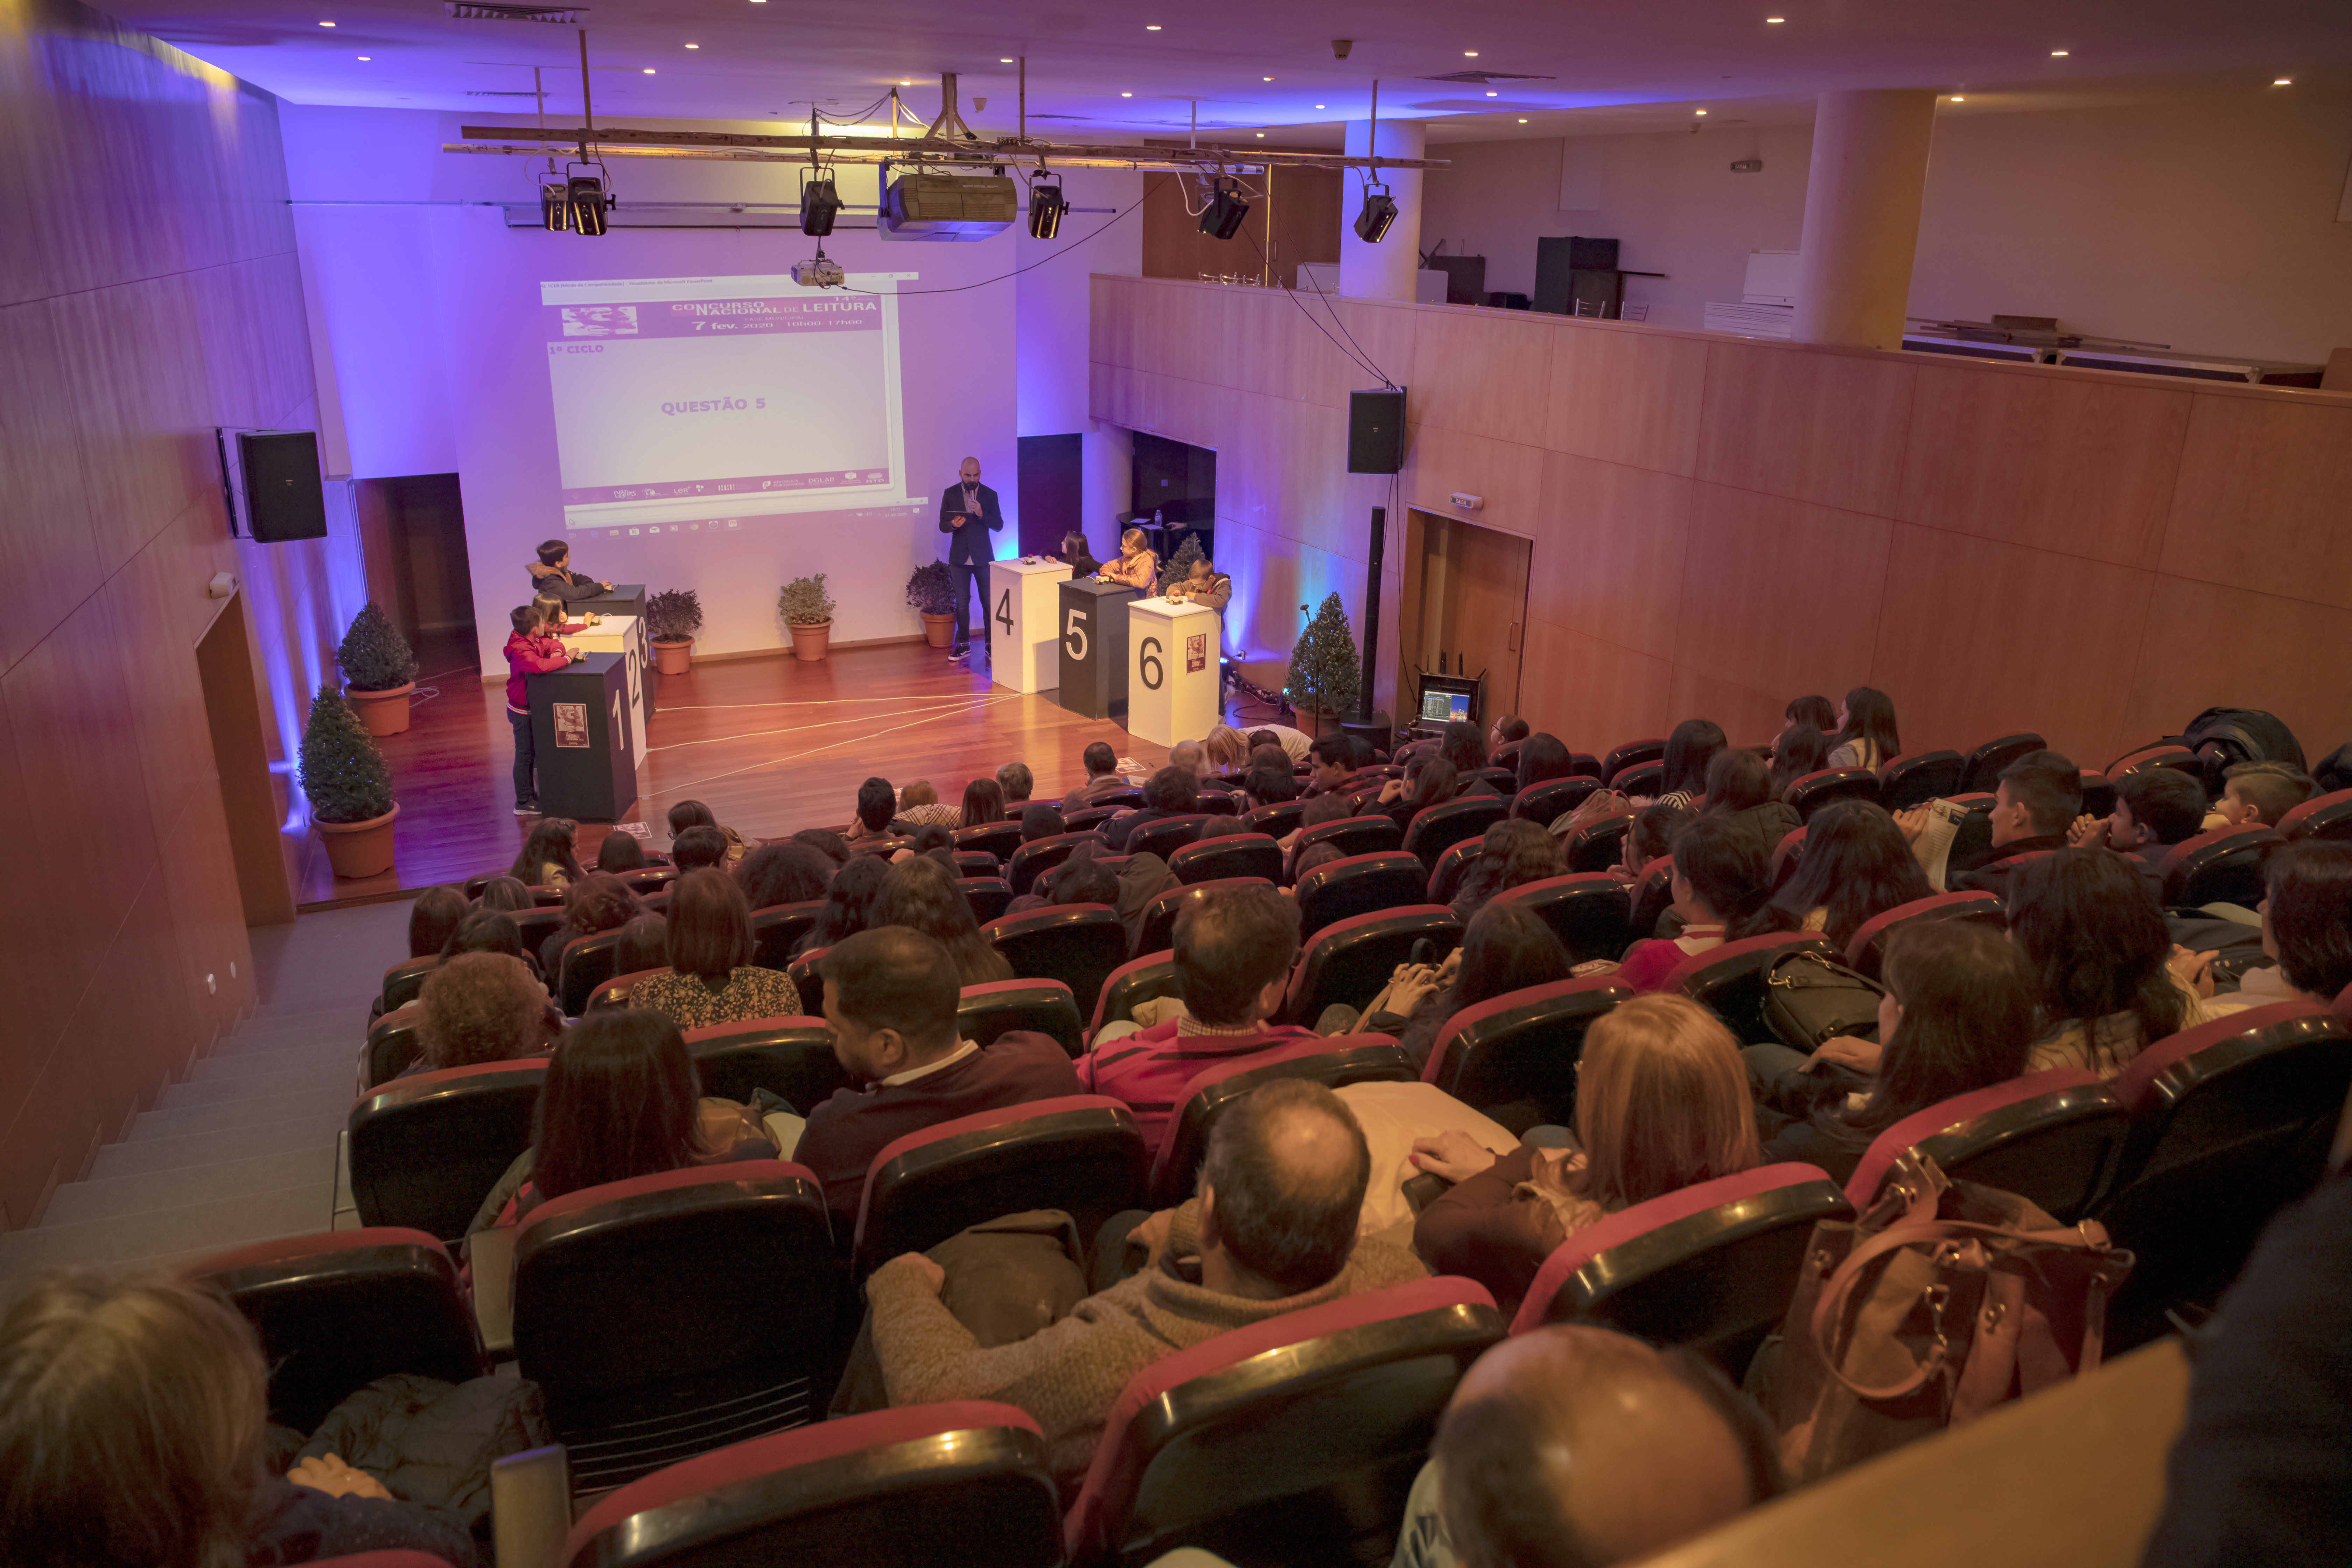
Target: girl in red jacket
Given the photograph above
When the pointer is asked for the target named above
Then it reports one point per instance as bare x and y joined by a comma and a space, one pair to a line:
530, 648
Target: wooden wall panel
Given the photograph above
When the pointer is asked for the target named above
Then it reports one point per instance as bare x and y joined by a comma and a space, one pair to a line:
1628, 396
1610, 547
1489, 377
1821, 428
1507, 475
2205, 646
46, 550
1774, 594
2266, 498
1590, 694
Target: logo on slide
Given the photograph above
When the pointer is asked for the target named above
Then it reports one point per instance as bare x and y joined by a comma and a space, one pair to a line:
600, 320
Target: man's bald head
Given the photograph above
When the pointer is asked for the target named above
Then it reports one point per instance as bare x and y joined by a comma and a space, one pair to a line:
1577, 1447
1286, 1172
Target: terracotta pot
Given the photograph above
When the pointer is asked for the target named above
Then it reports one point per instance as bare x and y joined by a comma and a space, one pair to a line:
810, 640
938, 630
359, 849
384, 713
674, 658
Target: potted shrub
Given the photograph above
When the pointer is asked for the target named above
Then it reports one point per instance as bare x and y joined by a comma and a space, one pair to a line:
807, 609
344, 778
931, 590
1180, 561
379, 671
1326, 670
672, 617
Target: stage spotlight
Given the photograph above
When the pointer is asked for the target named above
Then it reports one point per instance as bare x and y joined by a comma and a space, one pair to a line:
1380, 211
820, 204
555, 205
1046, 206
588, 204
1226, 211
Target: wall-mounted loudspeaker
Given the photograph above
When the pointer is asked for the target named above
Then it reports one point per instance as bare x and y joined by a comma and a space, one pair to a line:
283, 497
1376, 431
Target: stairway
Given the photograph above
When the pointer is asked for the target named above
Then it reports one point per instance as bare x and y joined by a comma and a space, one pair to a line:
243, 1149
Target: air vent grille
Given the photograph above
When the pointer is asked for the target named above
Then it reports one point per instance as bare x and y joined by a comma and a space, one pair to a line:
489, 11
1481, 77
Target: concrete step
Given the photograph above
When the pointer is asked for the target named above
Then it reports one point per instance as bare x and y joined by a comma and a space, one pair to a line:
342, 1026
330, 1069
113, 1197
244, 1139
255, 1064
166, 1122
187, 1229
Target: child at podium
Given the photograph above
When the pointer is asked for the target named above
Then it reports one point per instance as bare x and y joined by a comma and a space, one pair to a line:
1135, 566
551, 576
532, 649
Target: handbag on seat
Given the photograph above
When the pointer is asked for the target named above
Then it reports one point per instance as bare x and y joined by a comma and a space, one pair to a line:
1809, 999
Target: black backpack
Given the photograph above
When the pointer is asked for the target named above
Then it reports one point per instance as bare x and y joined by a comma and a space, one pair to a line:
2242, 735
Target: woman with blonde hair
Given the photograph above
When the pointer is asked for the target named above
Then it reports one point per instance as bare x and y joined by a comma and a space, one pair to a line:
1662, 1101
1137, 567
1228, 752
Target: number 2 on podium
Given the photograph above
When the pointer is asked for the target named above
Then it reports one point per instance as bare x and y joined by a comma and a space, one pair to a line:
1004, 612
1075, 639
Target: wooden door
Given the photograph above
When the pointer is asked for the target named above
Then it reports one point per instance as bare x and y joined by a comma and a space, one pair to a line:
1465, 597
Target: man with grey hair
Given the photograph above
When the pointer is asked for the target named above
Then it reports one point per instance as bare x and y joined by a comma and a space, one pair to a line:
1015, 781
1191, 756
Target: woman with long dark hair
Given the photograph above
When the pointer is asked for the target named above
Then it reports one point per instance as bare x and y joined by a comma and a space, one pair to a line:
2097, 950
1464, 746
621, 852
1856, 866
1865, 736
1511, 855
507, 895
921, 894
545, 859
431, 919
711, 978
1739, 789
1800, 750
1689, 749
1720, 890
2306, 924
786, 873
983, 804
1505, 948
1544, 756
1428, 781
848, 903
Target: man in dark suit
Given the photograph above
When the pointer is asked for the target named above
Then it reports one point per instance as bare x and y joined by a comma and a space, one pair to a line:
968, 515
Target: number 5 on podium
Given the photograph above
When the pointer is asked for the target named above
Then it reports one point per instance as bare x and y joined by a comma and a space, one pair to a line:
1075, 636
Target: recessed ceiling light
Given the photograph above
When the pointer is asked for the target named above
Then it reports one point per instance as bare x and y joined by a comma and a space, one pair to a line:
1702, 112
325, 24
1522, 120
1151, 26
1957, 99
367, 56
1318, 106
906, 81
1261, 135
649, 70
1775, 21
694, 46
2282, 81
1494, 95
2058, 54
1469, 54
1005, 62
1126, 95
1266, 79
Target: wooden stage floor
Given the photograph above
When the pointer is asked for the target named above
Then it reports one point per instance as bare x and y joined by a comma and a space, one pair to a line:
771, 745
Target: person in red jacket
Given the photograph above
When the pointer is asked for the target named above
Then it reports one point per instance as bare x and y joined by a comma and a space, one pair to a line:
531, 650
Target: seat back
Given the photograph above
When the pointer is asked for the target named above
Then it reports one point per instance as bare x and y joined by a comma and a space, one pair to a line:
1130, 796
1166, 835
1157, 932
1506, 755
1089, 817
1549, 799
2223, 866
424, 1149
1653, 894
1043, 854
339, 1310
1434, 829
1729, 980
1077, 944
2098, 794
1589, 912
404, 981
1293, 1439
1334, 1062
389, 1052
987, 897
2321, 816
1357, 885
1131, 984
1867, 948
804, 973
1710, 1267
2180, 759
1809, 794
613, 995
1350, 960
1632, 754
1641, 779
1518, 1053
974, 863
1228, 856
1982, 769
1081, 1153
1786, 854
1915, 778
1598, 844
1218, 802
1276, 818
534, 927
1505, 782
2049, 1137
728, 1274
998, 1007
966, 1482
648, 879
791, 1059
1453, 869
588, 962
1354, 836
1002, 839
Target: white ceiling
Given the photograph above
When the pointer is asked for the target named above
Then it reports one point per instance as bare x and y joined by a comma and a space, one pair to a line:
1614, 65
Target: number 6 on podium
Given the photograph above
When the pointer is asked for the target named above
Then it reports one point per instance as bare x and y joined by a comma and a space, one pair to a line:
1150, 664
1075, 638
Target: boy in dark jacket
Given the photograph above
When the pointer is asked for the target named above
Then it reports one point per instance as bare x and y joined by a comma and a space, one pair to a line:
551, 576
530, 649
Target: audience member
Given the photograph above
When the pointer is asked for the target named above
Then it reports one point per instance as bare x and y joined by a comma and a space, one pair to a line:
890, 1001
1102, 777
786, 873
1330, 765
1800, 750
826, 842
1313, 858
1510, 726
1226, 750
1192, 757
489, 931
848, 903
1511, 855
1268, 782
545, 859
481, 1007
1429, 781
2095, 945
1170, 792
983, 804
1651, 837
1855, 868
1739, 790
133, 1431
1719, 891
595, 904
2035, 804
2256, 794
1544, 756
643, 945
1811, 711
2156, 808
1273, 1231
919, 804
1689, 749
711, 978
1041, 821
922, 895
1865, 734
1014, 781
620, 852
2306, 924
877, 805
1462, 744
699, 849
506, 894
431, 919
1505, 948
688, 814
1292, 743
1662, 1101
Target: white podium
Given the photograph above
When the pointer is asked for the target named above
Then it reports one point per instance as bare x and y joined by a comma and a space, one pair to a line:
625, 635
1172, 670
1024, 642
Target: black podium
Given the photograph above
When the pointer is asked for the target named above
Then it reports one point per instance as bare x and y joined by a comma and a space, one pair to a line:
625, 599
583, 740
1094, 647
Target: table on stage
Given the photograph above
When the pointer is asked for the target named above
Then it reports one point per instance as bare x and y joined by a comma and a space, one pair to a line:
1022, 625
585, 736
625, 635
1172, 670
1093, 627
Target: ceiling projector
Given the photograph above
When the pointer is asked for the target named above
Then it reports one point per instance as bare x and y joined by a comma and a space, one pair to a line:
822, 273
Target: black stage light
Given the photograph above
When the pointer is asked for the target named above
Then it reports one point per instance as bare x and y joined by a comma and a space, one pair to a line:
1223, 217
588, 204
555, 205
820, 204
1046, 206
1380, 211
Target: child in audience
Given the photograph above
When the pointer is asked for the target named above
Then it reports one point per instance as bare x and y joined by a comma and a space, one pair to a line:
711, 978
1463, 745
1270, 780
508, 895
2306, 925
1719, 892
826, 842
2156, 808
699, 849
688, 814
1865, 734
918, 804
922, 895
2256, 794
1689, 749
1651, 836
849, 902
1316, 813
545, 859
431, 919
1855, 868
2097, 949
1041, 821
786, 873
1014, 781
1428, 781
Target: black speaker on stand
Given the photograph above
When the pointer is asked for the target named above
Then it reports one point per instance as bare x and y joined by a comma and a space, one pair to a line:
284, 498
1376, 431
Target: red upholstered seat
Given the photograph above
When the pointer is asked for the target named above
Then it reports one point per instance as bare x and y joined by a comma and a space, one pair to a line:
401, 1559
1354, 836
806, 978
1295, 1439
1089, 817
1131, 797
2179, 759
1077, 944
1589, 912
1137, 981
1350, 961
1982, 771
1867, 948
966, 1483
1505, 782
1002, 839
1729, 980
1228, 856
1165, 836
1515, 1055
1157, 933
1598, 844
1357, 885
1434, 829
1632, 754
1786, 855
790, 1058
1044, 854
424, 1149
1642, 779
997, 1008
648, 879
1081, 1153
2321, 816
1333, 1061
338, 1310
989, 897
534, 927
1452, 870
1548, 800
1915, 778
613, 995
1219, 803
1812, 793
1711, 1267
2223, 866
2050, 1137
727, 1273
390, 1050
588, 962
1275, 818
406, 980
777, 929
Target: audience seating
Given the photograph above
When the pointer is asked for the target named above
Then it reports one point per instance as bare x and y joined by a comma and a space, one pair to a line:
1547, 801
1354, 836
1002, 839
1643, 779
2180, 759
966, 1482
1729, 980
1077, 944
1278, 819
1000, 1006
655, 902
1350, 960
803, 971
1219, 803
648, 879
2223, 866
1984, 765
587, 963
1166, 835
1600, 844
885, 847
790, 1058
2321, 816
425, 1150
613, 995
1157, 932
1584, 764
1357, 885
728, 1273
779, 929
1514, 1057
974, 863
388, 1053
1228, 856
2050, 1137
1292, 1440
2098, 794
1041, 853
1653, 895
1506, 755
1809, 794
339, 1310
1710, 1267
1915, 778
405, 981
1437, 828
1589, 912
988, 897
1131, 797
1506, 781
1786, 854
1334, 1062
546, 896
1446, 878
474, 886
534, 927
1131, 984
1631, 754
1081, 1153
1089, 817
1867, 948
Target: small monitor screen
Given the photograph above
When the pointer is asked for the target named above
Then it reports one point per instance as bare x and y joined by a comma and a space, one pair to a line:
1439, 705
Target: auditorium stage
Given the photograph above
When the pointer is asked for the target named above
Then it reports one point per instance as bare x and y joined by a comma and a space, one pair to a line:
770, 744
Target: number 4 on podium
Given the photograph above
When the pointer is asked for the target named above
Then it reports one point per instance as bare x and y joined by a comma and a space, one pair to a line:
1004, 612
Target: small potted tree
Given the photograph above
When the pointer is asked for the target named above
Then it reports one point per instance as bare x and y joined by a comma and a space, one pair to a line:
1325, 666
807, 609
672, 617
1179, 565
931, 590
379, 671
349, 787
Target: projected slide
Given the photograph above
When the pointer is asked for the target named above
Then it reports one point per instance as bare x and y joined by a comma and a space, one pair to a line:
723, 400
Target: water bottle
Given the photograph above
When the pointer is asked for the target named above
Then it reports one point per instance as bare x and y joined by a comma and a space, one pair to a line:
1155, 518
